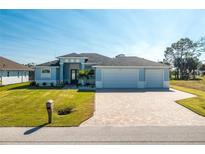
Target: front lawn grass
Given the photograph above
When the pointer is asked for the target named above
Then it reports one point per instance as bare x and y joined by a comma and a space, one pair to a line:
22, 105
198, 84
197, 87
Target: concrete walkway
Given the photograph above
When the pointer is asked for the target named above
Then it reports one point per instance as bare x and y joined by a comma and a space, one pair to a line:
142, 108
103, 135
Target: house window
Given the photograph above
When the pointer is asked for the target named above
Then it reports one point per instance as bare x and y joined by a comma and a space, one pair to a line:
71, 60
77, 60
8, 74
46, 72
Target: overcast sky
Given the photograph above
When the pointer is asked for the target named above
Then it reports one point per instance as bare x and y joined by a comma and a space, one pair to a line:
41, 35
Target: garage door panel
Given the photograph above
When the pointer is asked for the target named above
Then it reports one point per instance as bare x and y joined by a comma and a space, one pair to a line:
120, 78
154, 78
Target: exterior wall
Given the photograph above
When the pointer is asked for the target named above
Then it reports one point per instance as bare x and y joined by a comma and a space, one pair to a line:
66, 73
141, 82
141, 79
58, 74
54, 77
166, 78
14, 77
98, 78
88, 67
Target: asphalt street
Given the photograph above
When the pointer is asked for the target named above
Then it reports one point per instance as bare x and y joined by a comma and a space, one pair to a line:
103, 135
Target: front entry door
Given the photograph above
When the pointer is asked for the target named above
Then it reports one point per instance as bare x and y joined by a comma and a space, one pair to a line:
74, 76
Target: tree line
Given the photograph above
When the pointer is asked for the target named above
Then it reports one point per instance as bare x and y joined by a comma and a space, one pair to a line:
183, 57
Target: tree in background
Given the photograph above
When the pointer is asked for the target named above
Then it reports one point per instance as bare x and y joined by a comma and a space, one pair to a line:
184, 57
31, 65
192, 64
202, 68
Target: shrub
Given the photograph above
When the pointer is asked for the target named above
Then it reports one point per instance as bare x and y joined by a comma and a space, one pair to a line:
61, 83
33, 84
44, 83
65, 111
52, 85
66, 82
78, 84
87, 84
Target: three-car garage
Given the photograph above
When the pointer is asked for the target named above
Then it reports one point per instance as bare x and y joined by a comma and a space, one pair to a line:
132, 78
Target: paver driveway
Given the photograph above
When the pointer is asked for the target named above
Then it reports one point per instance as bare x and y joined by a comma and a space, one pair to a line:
142, 108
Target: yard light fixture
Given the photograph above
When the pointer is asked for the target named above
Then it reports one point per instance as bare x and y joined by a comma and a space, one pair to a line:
49, 108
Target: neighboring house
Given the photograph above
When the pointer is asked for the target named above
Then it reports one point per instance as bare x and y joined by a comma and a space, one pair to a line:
12, 72
118, 72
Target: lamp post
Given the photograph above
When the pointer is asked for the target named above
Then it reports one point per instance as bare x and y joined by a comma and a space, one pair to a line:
49, 108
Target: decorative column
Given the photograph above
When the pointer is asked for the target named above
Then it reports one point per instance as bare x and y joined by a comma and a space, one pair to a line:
82, 67
61, 72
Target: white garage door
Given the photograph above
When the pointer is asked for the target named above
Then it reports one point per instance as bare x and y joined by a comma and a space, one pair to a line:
154, 78
120, 78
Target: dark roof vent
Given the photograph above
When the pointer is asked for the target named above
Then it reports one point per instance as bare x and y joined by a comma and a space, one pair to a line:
120, 55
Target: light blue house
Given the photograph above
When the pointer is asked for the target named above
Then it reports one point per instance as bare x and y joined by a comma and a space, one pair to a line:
118, 72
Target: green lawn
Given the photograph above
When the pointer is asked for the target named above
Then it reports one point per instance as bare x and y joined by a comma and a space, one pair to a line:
21, 105
198, 84
197, 87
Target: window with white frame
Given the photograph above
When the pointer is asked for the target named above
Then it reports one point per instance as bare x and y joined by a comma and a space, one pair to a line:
46, 72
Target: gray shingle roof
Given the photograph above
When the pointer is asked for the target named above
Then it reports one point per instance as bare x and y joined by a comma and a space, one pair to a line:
72, 55
131, 61
95, 58
100, 60
50, 63
92, 57
7, 64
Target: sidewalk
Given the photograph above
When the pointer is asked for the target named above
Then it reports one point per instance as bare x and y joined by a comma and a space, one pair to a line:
103, 135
